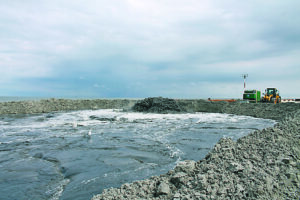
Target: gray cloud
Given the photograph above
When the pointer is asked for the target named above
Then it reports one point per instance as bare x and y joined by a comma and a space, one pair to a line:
139, 48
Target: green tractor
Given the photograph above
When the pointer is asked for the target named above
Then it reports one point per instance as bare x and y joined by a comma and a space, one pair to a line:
252, 96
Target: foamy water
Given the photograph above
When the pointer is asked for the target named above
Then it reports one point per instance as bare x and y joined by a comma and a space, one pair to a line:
52, 156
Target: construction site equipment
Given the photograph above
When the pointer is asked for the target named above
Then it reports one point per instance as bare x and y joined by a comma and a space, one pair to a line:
271, 95
252, 96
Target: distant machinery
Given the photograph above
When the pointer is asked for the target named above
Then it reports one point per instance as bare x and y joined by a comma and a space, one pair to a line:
271, 95
253, 96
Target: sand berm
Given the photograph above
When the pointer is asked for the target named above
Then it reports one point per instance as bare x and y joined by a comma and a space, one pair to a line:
262, 165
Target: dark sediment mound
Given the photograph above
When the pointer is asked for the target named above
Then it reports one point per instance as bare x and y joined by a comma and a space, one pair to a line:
263, 165
157, 105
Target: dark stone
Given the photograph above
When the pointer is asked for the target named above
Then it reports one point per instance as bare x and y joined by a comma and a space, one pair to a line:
157, 105
38, 155
104, 119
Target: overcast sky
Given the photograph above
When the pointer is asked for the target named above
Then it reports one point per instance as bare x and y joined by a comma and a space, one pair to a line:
142, 48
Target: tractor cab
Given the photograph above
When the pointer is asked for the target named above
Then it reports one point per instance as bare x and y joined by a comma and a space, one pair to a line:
271, 91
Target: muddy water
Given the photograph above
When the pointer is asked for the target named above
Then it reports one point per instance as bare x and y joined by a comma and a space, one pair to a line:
74, 155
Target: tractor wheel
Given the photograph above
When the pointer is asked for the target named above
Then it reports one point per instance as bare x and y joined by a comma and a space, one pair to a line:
273, 100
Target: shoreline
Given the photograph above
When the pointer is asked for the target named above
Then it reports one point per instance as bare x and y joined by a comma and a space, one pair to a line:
262, 165
259, 110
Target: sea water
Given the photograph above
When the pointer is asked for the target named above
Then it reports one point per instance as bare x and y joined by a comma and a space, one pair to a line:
75, 155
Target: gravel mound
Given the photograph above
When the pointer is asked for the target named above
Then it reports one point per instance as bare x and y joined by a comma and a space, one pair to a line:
57, 105
262, 165
157, 105
261, 110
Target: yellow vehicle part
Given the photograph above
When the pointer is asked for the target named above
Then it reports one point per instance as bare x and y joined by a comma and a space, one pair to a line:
271, 96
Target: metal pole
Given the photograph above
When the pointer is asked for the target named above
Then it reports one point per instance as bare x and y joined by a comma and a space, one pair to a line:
244, 76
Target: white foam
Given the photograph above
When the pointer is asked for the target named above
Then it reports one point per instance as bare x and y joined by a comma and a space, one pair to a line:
76, 123
82, 118
4, 123
219, 118
58, 190
89, 180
